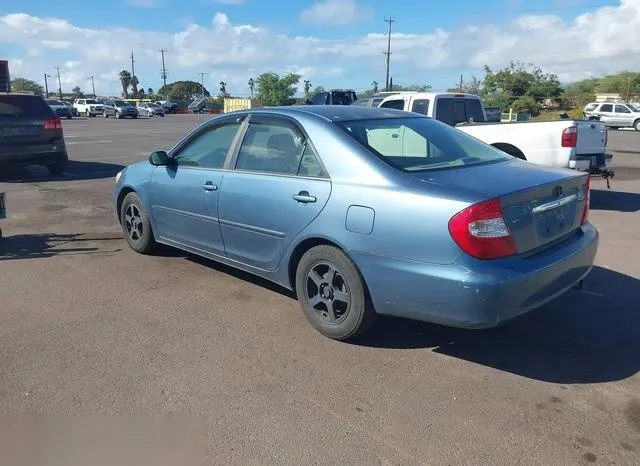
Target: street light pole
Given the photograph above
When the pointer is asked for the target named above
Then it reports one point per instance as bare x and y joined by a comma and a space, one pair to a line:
202, 75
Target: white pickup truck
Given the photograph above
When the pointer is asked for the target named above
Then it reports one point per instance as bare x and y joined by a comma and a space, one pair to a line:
576, 144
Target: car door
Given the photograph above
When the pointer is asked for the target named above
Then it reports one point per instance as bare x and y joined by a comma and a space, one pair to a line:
605, 112
277, 188
184, 195
623, 116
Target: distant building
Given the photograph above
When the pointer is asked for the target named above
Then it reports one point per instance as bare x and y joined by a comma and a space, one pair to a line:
608, 98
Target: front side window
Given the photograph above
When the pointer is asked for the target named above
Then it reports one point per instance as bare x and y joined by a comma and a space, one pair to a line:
208, 149
622, 109
277, 148
420, 144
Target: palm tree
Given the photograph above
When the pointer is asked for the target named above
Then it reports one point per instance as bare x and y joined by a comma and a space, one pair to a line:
134, 85
125, 81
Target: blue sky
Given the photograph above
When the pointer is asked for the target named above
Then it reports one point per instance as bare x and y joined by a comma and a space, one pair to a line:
436, 42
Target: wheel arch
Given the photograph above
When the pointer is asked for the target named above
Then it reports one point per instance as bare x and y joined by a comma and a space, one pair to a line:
120, 199
303, 246
509, 149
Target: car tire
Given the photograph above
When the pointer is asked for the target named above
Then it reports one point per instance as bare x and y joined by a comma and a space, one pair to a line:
136, 225
135, 117
332, 294
117, 115
636, 125
58, 168
105, 114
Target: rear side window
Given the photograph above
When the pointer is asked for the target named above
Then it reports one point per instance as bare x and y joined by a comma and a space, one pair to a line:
395, 103
606, 108
24, 106
420, 106
590, 107
451, 111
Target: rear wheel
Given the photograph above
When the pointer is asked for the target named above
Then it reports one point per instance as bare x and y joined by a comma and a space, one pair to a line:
87, 113
332, 294
57, 168
135, 225
636, 125
105, 114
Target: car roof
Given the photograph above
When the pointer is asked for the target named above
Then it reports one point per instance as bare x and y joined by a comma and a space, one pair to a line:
335, 113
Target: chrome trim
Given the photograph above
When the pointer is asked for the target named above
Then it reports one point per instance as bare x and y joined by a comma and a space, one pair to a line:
555, 204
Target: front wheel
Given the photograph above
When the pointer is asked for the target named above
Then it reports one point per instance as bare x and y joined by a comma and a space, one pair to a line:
636, 125
332, 294
135, 225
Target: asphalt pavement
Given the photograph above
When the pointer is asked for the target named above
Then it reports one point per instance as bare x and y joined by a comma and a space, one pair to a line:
88, 327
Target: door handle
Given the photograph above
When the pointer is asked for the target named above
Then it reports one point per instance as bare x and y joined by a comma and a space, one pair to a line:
209, 186
304, 197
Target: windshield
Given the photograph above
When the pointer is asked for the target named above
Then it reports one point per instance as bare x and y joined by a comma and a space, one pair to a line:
90, 101
633, 107
420, 144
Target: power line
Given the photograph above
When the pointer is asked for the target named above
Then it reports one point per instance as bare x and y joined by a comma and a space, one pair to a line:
389, 20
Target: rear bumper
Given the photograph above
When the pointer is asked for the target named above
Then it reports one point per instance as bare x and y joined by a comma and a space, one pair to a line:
477, 294
590, 161
32, 156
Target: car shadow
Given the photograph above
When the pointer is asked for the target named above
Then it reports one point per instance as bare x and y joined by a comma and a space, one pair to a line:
77, 170
50, 244
586, 336
617, 201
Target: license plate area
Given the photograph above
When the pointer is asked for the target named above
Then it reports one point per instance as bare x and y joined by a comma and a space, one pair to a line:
556, 218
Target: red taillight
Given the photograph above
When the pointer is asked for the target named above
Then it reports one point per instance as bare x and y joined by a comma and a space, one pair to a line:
458, 95
587, 200
570, 137
53, 124
481, 232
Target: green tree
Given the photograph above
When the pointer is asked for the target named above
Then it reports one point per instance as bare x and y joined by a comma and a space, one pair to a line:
125, 82
469, 87
183, 90
26, 85
518, 80
580, 93
275, 90
526, 104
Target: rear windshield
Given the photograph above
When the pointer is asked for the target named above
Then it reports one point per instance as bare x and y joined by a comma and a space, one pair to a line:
420, 144
24, 106
53, 102
343, 98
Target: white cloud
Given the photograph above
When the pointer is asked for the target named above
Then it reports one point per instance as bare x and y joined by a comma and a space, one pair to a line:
335, 13
602, 41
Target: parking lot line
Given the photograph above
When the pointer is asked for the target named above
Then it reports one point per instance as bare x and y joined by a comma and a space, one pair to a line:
101, 141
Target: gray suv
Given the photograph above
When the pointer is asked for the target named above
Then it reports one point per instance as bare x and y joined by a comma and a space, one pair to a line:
614, 115
119, 109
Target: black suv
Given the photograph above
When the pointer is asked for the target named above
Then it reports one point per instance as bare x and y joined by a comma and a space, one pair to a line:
30, 133
119, 109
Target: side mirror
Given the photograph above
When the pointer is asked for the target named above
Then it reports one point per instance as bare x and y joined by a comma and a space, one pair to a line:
159, 158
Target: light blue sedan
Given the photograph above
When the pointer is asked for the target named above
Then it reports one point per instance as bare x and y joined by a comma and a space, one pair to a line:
366, 211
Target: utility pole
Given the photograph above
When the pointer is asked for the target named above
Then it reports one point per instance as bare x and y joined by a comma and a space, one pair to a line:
461, 82
59, 83
164, 75
46, 85
252, 85
628, 87
93, 86
389, 20
202, 75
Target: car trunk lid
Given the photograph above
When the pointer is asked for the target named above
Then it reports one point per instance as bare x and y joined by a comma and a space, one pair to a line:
540, 205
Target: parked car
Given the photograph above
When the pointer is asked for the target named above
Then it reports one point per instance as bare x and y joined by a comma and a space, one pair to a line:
149, 109
60, 109
614, 115
30, 133
575, 144
119, 109
87, 107
168, 106
334, 97
374, 100
320, 200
